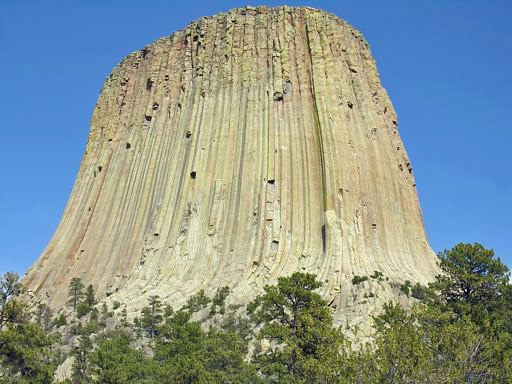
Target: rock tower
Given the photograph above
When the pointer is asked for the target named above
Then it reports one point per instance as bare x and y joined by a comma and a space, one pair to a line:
245, 147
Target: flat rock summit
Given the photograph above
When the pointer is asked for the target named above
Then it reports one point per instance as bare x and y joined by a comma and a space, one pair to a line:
247, 146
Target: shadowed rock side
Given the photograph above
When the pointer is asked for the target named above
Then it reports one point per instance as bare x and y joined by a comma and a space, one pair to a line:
247, 146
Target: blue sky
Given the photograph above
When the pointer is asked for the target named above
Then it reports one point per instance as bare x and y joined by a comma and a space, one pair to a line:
447, 66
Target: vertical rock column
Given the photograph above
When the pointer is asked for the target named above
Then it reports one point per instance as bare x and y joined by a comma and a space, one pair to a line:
247, 146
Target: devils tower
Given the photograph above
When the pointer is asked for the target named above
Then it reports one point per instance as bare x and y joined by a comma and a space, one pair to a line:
245, 147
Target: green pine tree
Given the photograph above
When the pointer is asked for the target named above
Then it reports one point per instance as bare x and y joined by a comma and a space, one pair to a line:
473, 283
298, 323
90, 299
115, 361
25, 348
152, 315
12, 309
124, 318
80, 368
75, 292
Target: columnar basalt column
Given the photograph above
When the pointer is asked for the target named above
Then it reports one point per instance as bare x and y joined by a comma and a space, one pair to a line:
247, 146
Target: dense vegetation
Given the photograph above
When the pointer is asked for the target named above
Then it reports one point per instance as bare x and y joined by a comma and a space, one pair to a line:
459, 331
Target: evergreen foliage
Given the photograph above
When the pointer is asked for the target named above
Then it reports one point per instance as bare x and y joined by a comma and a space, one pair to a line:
90, 299
459, 331
359, 279
185, 353
25, 354
43, 316
25, 348
124, 318
197, 302
115, 361
11, 309
152, 316
298, 324
474, 282
218, 301
59, 321
75, 292
406, 287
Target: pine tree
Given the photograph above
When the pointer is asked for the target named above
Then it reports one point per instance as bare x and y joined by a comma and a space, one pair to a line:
124, 318
185, 353
219, 301
87, 303
90, 299
137, 327
75, 292
196, 302
152, 315
11, 309
25, 348
115, 361
43, 316
80, 368
473, 283
298, 322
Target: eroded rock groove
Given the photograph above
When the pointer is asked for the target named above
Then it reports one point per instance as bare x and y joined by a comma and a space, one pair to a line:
246, 146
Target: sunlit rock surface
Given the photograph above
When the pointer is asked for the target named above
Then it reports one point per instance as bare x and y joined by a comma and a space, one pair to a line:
247, 146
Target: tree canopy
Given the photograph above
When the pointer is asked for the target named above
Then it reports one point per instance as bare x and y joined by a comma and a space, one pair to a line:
458, 331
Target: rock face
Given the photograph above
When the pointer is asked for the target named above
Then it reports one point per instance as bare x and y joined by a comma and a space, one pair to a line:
247, 146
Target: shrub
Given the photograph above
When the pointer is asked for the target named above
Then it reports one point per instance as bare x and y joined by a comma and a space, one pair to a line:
59, 321
377, 275
359, 279
82, 309
406, 287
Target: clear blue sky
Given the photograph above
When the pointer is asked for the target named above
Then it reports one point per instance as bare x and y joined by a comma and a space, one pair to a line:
447, 66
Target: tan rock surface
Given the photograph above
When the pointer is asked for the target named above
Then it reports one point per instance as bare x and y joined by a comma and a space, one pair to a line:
247, 146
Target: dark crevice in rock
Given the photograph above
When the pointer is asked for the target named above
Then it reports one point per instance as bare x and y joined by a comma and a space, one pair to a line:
149, 85
278, 96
